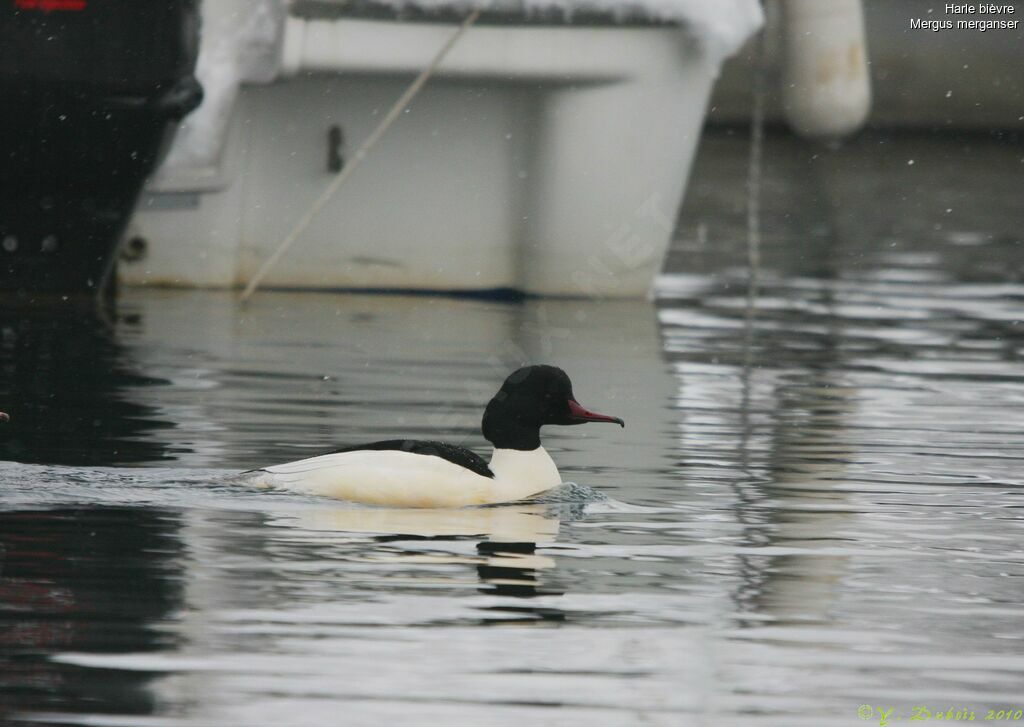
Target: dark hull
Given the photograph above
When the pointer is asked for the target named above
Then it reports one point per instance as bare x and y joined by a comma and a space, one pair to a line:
85, 124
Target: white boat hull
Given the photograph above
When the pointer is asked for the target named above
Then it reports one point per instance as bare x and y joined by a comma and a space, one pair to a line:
548, 160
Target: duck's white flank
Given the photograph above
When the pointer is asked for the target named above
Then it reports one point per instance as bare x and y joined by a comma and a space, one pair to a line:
405, 479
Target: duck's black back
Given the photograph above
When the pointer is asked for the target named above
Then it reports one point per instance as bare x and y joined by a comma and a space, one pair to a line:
453, 453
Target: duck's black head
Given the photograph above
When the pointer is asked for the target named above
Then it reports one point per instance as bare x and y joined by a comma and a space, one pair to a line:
530, 398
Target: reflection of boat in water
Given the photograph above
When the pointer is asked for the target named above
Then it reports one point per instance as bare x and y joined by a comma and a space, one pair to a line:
92, 93
380, 367
83, 580
775, 433
73, 390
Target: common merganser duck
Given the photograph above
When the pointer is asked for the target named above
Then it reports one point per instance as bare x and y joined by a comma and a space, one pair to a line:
413, 473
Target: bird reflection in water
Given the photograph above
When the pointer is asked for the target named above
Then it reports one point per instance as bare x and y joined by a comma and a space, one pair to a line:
507, 562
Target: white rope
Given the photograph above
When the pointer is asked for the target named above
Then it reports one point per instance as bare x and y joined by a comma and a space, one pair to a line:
378, 132
754, 174
757, 119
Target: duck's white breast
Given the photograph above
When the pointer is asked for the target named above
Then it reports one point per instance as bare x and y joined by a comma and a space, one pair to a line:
407, 479
382, 477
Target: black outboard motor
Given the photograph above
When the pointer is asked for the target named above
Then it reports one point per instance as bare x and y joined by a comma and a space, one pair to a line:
90, 94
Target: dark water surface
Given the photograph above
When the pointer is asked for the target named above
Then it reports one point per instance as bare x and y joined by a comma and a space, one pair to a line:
812, 508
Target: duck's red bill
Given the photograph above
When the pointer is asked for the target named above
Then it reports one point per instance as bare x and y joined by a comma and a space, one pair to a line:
585, 415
